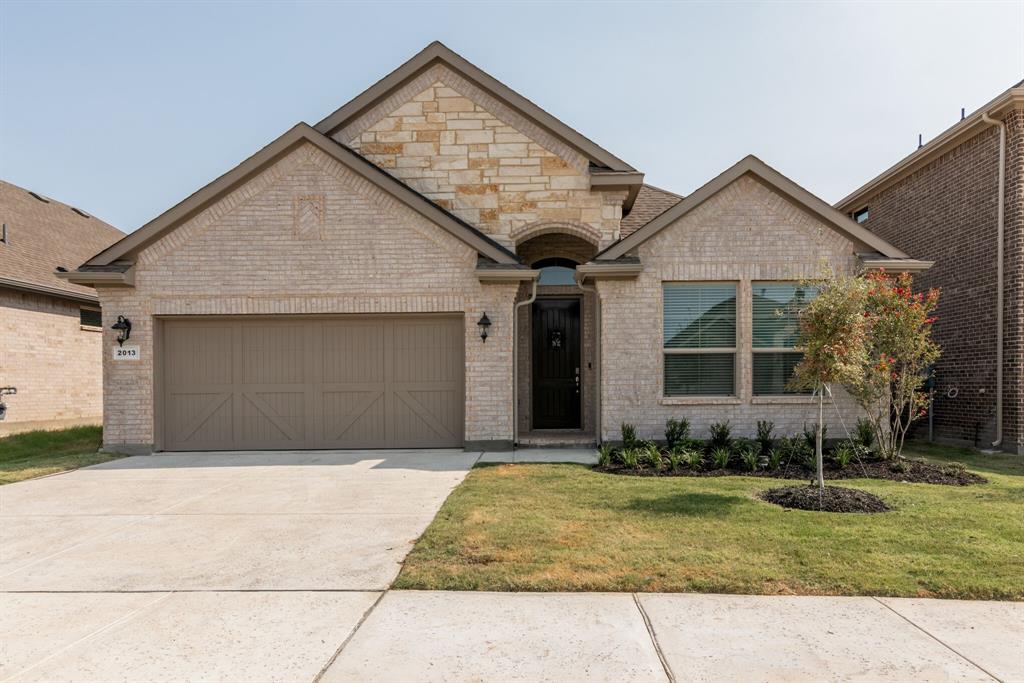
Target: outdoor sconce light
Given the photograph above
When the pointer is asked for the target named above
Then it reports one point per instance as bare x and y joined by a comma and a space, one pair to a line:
124, 329
484, 323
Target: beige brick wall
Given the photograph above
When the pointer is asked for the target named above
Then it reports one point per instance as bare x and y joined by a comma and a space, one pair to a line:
745, 233
307, 236
456, 144
54, 363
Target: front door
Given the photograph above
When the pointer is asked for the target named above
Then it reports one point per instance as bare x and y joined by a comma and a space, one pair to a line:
556, 364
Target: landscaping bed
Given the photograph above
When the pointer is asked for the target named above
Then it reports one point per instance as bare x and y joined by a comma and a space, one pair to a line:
827, 499
767, 456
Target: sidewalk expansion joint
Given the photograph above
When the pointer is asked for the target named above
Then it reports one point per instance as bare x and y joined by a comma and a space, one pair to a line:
355, 629
940, 642
654, 640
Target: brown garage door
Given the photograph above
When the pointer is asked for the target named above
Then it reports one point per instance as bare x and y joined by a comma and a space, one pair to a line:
288, 383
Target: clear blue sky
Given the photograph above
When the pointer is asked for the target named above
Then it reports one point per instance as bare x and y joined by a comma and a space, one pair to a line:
124, 109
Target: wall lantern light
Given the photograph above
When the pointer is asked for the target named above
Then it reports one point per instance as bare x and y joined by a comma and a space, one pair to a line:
484, 323
124, 329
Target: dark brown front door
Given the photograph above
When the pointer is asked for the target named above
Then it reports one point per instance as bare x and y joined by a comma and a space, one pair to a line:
556, 364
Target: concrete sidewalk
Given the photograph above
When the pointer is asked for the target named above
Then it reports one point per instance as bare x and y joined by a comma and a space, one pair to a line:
448, 636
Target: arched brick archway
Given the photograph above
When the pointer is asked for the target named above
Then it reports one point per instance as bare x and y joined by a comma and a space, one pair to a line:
555, 245
583, 231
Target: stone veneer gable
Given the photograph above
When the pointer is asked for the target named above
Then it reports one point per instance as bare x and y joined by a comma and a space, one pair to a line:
462, 148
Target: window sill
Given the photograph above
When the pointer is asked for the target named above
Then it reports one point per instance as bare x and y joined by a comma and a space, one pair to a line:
784, 400
90, 328
700, 401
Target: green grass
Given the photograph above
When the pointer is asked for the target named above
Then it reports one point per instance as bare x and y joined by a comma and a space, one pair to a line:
33, 454
566, 527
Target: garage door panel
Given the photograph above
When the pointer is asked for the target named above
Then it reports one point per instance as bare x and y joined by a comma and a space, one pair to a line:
352, 382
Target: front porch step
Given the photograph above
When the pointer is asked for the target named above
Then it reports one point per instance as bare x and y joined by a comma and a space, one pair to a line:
557, 439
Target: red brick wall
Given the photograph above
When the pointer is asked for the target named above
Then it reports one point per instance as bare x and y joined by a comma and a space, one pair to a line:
947, 212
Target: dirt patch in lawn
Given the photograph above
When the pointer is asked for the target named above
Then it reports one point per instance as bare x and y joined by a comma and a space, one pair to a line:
829, 499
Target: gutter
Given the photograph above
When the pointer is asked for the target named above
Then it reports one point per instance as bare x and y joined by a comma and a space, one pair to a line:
515, 358
999, 276
80, 297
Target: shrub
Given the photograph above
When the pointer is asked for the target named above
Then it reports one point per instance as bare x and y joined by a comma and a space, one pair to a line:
721, 435
652, 455
628, 435
721, 457
864, 434
953, 469
844, 453
764, 435
676, 431
794, 450
604, 455
694, 459
900, 466
675, 458
811, 434
750, 457
630, 457
774, 458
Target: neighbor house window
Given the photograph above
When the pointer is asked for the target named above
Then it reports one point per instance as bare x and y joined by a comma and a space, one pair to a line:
700, 339
862, 215
90, 317
776, 330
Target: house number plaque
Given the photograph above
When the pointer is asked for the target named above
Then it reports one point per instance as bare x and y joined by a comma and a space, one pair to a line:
126, 352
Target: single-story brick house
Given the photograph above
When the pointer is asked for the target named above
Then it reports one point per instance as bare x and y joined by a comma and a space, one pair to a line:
50, 341
442, 263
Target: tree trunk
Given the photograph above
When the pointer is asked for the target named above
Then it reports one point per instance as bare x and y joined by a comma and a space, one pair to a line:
817, 439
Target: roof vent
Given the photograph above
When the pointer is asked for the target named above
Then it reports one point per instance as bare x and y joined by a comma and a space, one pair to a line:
61, 269
81, 213
40, 197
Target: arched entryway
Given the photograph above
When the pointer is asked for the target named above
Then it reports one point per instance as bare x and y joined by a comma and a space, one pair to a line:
556, 373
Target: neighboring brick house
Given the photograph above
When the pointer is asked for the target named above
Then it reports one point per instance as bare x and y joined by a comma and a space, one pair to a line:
440, 262
942, 203
50, 341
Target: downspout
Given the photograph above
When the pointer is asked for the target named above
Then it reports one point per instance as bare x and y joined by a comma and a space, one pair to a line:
999, 278
515, 362
597, 359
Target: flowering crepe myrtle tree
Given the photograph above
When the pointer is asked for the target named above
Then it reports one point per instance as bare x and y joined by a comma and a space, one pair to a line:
871, 334
900, 350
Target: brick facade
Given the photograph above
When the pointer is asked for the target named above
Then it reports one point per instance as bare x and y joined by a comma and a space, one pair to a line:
946, 212
744, 233
244, 255
52, 360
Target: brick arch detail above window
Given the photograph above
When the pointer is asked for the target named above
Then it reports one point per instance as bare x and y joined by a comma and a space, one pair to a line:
581, 230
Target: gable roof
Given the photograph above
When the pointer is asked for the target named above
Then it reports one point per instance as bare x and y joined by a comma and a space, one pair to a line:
43, 234
650, 203
814, 206
971, 125
299, 134
437, 53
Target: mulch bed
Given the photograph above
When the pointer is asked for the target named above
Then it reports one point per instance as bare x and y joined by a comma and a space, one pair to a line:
831, 499
917, 472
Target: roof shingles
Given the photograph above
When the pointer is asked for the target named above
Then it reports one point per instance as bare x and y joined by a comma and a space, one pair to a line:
650, 203
45, 235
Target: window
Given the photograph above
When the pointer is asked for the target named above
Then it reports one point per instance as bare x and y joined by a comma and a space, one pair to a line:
862, 215
556, 271
700, 339
776, 329
90, 317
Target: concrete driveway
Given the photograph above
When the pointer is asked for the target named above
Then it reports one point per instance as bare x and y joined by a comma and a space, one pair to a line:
213, 566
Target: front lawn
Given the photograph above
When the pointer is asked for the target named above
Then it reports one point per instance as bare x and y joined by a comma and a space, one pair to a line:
566, 527
33, 454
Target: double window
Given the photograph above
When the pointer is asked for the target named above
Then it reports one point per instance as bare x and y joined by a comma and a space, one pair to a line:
700, 339
776, 330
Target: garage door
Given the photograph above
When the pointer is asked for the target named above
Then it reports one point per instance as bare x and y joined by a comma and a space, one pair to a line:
289, 383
